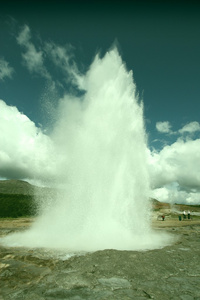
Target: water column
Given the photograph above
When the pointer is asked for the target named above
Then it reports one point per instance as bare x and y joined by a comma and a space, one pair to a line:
101, 168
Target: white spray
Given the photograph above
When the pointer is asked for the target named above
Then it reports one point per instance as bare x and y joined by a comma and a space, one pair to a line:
101, 163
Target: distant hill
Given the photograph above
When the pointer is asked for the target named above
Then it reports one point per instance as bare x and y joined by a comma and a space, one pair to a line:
16, 187
21, 187
17, 198
157, 205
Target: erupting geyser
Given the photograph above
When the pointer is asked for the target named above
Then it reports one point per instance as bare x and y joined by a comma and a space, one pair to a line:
100, 145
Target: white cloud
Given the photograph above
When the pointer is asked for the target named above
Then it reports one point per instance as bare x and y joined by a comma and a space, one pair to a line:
63, 59
167, 194
175, 171
190, 128
24, 148
61, 56
5, 69
163, 127
24, 36
32, 58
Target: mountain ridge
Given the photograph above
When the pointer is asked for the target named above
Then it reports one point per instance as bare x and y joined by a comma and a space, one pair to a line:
17, 187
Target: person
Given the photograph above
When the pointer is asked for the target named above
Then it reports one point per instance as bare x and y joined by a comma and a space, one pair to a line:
184, 215
163, 217
188, 215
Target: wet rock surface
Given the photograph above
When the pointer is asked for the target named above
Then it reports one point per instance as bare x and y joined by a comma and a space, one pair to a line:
172, 272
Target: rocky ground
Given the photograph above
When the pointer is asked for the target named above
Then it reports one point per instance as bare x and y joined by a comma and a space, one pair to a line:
172, 272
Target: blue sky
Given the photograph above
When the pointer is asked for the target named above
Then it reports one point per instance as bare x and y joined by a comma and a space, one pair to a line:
158, 41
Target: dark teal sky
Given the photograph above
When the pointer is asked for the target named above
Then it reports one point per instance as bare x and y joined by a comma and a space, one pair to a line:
158, 40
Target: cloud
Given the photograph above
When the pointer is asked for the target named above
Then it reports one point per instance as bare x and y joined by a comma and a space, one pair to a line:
25, 153
167, 194
24, 36
187, 131
33, 59
175, 171
63, 59
5, 69
190, 128
163, 127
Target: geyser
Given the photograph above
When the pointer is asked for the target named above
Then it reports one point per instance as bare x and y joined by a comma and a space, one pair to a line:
100, 162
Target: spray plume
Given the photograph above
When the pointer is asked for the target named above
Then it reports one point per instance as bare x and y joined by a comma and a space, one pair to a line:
100, 145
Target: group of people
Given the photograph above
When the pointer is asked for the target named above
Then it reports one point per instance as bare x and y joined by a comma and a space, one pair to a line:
186, 215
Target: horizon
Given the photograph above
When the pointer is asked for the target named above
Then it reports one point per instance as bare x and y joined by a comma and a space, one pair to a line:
151, 199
